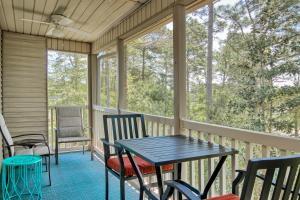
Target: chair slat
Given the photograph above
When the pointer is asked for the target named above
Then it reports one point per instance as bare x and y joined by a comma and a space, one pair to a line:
136, 128
114, 128
130, 127
296, 188
290, 182
120, 129
125, 128
279, 183
143, 126
267, 184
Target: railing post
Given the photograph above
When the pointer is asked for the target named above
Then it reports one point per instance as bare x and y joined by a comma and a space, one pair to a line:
179, 52
92, 74
122, 76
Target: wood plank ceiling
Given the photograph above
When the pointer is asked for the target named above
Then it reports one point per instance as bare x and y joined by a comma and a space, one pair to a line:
92, 16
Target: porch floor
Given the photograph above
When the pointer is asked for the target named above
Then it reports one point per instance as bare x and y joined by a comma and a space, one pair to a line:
77, 177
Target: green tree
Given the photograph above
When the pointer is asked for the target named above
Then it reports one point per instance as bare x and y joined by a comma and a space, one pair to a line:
67, 78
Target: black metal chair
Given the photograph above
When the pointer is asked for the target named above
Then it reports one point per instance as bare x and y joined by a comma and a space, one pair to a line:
127, 126
288, 168
26, 144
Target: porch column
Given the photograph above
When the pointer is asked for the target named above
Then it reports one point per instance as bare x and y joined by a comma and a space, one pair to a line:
179, 48
92, 94
179, 43
122, 76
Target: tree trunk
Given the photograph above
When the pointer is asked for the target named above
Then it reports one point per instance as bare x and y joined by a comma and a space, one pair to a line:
209, 98
143, 66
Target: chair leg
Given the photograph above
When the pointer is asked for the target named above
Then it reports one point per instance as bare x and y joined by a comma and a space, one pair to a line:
49, 168
83, 147
122, 188
56, 153
46, 164
106, 184
141, 194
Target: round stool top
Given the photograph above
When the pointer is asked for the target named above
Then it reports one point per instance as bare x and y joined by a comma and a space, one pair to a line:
22, 160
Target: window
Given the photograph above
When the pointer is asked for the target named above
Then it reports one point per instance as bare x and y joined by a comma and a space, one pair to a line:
255, 65
149, 61
67, 78
108, 78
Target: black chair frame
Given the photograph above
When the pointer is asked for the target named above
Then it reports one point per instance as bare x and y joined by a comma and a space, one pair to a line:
130, 131
25, 144
291, 190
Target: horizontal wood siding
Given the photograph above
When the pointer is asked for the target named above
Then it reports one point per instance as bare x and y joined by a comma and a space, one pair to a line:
25, 83
68, 45
139, 17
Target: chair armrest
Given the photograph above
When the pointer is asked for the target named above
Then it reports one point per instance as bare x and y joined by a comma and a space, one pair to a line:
32, 134
183, 188
239, 178
106, 144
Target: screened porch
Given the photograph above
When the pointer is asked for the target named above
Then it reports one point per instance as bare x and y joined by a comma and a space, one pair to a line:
224, 72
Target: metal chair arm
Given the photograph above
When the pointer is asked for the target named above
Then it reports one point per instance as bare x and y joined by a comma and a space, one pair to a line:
32, 134
183, 188
106, 144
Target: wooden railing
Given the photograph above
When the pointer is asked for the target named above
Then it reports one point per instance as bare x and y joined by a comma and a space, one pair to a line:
250, 144
52, 126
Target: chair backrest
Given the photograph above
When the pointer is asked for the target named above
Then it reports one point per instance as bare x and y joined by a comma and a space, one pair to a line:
285, 171
69, 122
124, 126
6, 135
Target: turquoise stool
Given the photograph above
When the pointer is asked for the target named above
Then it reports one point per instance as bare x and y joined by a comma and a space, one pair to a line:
22, 177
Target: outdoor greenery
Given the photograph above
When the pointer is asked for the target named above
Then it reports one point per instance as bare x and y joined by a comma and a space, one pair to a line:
255, 66
67, 78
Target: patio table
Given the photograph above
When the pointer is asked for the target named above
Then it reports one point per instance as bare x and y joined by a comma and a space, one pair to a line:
173, 150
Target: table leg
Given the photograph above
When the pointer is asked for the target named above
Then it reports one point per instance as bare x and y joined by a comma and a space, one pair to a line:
136, 170
159, 181
179, 167
213, 177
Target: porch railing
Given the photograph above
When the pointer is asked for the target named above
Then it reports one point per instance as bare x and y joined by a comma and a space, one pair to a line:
250, 144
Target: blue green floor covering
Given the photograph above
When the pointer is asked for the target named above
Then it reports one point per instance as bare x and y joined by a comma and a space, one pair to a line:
78, 178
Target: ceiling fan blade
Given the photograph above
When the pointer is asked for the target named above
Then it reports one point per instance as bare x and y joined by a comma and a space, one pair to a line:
50, 31
35, 21
68, 28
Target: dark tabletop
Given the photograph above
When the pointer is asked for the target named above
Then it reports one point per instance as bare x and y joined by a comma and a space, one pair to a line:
173, 149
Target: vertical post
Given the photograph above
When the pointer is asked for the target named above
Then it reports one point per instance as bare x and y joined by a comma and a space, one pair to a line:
92, 73
179, 48
179, 52
209, 97
122, 76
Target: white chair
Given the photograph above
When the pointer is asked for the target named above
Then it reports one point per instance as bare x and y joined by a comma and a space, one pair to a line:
26, 144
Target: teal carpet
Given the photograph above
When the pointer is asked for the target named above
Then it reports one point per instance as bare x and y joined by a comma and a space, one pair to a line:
77, 177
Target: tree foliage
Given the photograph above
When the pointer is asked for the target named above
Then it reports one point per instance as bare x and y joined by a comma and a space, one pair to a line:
67, 78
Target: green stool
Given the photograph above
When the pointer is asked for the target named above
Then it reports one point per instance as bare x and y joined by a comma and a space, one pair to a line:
22, 177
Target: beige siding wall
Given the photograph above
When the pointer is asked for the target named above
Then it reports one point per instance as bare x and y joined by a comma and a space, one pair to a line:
1, 150
25, 83
68, 45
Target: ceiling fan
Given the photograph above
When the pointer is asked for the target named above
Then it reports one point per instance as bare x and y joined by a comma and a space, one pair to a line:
58, 22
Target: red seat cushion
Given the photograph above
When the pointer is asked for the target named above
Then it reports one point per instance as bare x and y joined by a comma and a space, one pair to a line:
226, 197
144, 166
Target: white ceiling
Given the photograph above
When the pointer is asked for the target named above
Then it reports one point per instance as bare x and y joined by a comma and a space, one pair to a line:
92, 16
